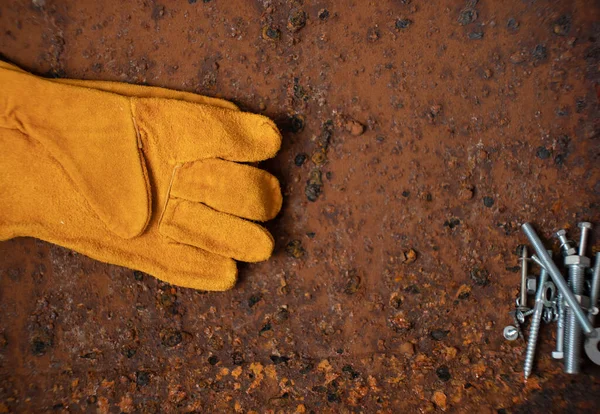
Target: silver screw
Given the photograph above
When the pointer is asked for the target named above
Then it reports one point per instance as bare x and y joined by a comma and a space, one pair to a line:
535, 323
585, 228
566, 247
558, 352
523, 300
595, 289
572, 328
510, 333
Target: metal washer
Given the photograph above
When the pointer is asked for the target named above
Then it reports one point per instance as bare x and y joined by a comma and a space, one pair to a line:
591, 347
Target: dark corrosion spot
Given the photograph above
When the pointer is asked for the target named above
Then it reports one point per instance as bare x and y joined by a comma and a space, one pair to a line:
39, 347
294, 249
142, 378
266, 327
562, 25
300, 159
237, 358
512, 24
333, 397
443, 373
396, 302
467, 16
439, 334
350, 371
542, 153
270, 33
540, 52
452, 223
312, 192
254, 299
213, 360
403, 24
281, 315
480, 276
323, 14
296, 20
129, 352
488, 201
171, 338
296, 123
279, 359
412, 289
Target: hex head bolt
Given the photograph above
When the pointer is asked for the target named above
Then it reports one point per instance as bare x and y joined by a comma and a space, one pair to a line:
585, 229
544, 260
565, 246
535, 323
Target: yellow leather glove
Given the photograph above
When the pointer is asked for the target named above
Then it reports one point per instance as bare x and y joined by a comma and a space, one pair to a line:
136, 176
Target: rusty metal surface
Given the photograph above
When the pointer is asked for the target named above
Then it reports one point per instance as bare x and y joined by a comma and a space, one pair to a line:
389, 291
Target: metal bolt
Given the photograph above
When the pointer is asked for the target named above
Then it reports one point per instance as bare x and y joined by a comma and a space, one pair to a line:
585, 228
558, 352
535, 323
566, 247
523, 301
573, 339
510, 333
595, 289
546, 261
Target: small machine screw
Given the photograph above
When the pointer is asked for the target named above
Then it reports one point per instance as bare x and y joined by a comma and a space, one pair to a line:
566, 247
510, 333
585, 228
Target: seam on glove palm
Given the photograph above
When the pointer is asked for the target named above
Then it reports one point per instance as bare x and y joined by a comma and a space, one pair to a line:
199, 196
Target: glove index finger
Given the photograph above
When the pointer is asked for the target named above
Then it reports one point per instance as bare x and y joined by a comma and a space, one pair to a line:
187, 132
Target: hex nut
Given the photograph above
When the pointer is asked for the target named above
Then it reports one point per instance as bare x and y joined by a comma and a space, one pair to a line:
549, 293
531, 285
557, 354
571, 251
577, 260
585, 224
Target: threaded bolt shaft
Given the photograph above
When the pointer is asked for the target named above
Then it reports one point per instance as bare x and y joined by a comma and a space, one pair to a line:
573, 334
595, 290
560, 329
535, 324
